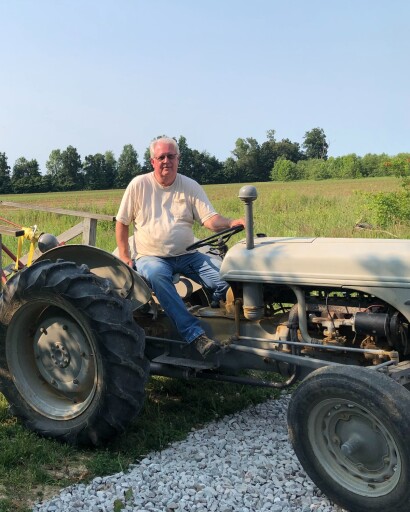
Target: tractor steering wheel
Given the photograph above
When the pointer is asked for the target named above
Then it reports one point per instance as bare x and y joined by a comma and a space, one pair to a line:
217, 239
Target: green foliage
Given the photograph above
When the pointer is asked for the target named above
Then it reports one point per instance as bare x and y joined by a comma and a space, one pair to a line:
251, 161
5, 180
350, 167
128, 166
313, 169
198, 165
26, 176
315, 144
284, 170
99, 171
110, 168
254, 162
393, 207
374, 165
389, 208
65, 169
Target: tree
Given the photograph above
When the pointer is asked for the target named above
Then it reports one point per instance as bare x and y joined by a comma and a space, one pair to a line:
110, 169
5, 180
350, 167
186, 161
288, 150
313, 169
230, 171
284, 170
374, 165
315, 145
65, 169
272, 150
95, 172
247, 157
128, 166
26, 176
206, 169
146, 166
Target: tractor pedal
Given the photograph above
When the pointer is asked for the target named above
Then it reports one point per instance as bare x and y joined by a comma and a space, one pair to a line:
183, 361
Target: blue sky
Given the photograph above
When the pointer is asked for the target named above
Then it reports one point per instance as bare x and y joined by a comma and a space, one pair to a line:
99, 74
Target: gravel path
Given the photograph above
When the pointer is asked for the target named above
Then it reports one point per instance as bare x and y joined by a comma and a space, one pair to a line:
242, 463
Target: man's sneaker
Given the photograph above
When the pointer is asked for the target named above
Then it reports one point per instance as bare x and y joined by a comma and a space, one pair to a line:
205, 346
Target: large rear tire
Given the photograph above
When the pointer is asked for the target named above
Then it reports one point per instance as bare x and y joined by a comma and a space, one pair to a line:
72, 362
349, 427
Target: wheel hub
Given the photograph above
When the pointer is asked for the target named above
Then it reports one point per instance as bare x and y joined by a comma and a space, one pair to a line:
59, 355
354, 446
361, 443
62, 354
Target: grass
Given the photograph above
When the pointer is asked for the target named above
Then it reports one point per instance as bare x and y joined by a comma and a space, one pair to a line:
32, 468
307, 208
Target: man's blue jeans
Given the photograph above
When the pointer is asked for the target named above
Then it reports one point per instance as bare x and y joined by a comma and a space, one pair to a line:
199, 267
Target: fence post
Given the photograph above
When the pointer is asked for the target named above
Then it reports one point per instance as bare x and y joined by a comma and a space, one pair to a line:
89, 231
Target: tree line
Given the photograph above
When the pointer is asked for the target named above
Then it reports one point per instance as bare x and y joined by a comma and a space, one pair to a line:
277, 160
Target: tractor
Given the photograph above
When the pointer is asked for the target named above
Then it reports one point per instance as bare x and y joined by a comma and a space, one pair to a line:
80, 332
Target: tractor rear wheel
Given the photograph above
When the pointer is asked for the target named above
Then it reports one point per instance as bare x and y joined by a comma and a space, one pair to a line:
349, 427
72, 362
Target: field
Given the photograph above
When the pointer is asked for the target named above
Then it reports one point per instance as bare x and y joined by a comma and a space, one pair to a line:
307, 208
32, 468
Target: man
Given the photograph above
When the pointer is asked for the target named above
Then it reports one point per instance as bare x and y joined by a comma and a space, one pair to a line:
163, 206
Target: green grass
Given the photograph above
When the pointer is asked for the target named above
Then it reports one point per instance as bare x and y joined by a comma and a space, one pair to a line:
306, 208
32, 468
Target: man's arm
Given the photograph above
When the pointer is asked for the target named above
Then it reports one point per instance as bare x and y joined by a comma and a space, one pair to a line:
218, 223
121, 235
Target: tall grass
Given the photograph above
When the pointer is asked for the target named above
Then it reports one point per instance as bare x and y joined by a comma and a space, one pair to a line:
328, 208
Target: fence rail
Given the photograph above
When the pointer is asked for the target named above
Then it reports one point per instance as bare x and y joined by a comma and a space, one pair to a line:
87, 227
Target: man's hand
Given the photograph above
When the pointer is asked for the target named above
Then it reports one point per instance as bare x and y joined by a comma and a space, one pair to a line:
237, 222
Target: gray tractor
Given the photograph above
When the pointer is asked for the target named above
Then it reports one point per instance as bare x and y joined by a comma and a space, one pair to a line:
80, 332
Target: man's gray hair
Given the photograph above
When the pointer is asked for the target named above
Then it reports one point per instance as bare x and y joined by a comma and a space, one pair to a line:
165, 140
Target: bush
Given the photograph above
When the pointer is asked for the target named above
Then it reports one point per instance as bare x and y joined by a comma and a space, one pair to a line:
284, 170
393, 207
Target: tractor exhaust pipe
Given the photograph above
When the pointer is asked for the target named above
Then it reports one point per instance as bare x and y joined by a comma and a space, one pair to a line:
248, 194
252, 293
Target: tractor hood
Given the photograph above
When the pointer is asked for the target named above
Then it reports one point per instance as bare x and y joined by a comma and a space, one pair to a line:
359, 263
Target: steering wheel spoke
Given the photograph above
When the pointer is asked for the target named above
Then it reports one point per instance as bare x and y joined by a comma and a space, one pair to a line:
217, 240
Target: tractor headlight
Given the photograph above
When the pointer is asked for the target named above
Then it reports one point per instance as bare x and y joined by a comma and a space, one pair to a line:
46, 241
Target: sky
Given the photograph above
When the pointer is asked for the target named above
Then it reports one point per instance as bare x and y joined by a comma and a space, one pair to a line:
100, 74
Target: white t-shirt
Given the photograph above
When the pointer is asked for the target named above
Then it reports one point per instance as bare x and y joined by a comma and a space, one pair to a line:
163, 216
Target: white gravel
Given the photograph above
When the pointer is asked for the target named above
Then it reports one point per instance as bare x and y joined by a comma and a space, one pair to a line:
242, 463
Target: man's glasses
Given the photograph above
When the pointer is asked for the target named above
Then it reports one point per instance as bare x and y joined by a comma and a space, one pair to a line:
170, 156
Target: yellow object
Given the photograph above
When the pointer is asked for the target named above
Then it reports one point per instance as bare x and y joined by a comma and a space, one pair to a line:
32, 234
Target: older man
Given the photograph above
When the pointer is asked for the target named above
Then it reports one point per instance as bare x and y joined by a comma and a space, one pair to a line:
163, 205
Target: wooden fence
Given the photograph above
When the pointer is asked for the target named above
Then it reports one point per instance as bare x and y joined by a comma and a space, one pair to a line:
87, 227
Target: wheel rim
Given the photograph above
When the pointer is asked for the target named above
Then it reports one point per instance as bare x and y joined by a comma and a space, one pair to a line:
52, 358
355, 447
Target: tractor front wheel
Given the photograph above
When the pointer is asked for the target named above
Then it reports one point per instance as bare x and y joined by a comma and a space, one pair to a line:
72, 362
349, 427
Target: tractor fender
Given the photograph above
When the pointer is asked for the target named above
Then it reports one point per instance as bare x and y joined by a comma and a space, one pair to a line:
126, 281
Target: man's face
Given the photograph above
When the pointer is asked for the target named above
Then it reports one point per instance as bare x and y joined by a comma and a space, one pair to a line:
165, 163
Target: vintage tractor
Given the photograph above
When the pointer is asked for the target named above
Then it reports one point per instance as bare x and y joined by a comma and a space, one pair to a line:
81, 332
